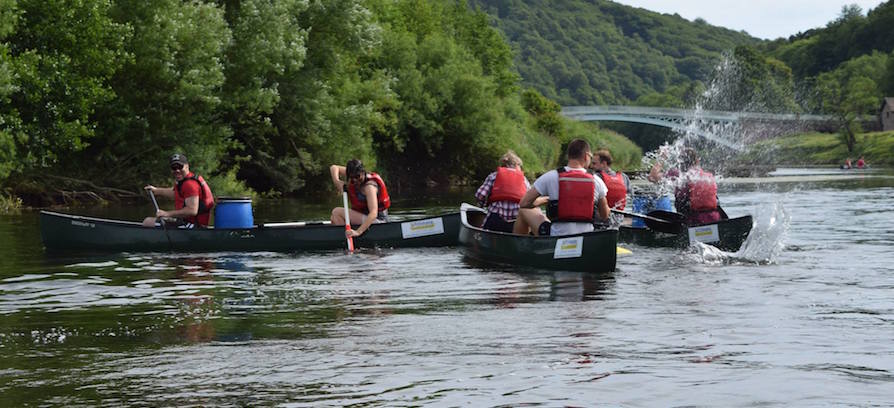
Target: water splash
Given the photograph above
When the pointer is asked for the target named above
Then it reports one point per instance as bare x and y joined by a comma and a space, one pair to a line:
766, 241
770, 227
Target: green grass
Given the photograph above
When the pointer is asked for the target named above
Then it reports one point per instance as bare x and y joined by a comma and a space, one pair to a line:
823, 149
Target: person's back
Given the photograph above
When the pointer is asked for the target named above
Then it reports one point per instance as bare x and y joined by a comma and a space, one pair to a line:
501, 192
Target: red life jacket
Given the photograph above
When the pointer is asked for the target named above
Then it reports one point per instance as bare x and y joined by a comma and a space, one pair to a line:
358, 199
702, 190
576, 202
617, 190
206, 200
508, 186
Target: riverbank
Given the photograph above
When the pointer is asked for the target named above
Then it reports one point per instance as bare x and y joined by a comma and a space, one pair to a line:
819, 149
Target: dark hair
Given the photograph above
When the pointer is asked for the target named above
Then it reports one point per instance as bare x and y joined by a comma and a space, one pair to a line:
578, 149
604, 155
353, 168
688, 158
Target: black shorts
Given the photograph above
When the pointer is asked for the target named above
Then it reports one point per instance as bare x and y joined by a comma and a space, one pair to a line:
494, 222
544, 228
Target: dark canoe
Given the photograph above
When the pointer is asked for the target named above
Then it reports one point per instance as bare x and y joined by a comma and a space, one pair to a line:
727, 235
64, 232
589, 252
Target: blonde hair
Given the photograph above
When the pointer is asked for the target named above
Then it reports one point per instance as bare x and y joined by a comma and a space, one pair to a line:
510, 159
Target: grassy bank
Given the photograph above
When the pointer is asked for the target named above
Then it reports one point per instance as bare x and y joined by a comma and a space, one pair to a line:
823, 149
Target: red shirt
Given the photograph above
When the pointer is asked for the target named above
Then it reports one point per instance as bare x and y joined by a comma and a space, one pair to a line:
190, 188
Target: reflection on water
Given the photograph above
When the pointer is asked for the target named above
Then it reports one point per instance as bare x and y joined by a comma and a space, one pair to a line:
806, 301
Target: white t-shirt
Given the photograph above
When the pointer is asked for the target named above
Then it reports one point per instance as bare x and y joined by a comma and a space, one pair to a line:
548, 185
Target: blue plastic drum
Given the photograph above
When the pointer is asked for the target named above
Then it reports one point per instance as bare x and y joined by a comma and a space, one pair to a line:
233, 212
642, 204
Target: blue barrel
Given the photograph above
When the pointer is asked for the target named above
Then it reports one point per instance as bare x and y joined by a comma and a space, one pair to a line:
233, 212
642, 204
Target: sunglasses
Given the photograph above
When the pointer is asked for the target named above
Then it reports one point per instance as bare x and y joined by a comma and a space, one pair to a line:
176, 167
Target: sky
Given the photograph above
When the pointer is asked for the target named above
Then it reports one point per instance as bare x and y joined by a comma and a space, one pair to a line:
768, 19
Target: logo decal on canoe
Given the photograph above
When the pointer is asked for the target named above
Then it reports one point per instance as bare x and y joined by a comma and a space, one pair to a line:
569, 248
83, 224
704, 233
421, 228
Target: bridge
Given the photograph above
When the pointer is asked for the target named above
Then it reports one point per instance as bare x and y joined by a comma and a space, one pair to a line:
714, 125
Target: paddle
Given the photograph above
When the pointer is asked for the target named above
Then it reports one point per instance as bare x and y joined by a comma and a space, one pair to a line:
160, 219
344, 196
659, 224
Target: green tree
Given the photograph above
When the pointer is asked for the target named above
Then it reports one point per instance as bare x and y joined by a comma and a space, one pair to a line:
168, 92
60, 56
851, 92
9, 119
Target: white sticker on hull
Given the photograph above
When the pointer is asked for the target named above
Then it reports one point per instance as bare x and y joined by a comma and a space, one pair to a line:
704, 233
569, 248
83, 224
422, 228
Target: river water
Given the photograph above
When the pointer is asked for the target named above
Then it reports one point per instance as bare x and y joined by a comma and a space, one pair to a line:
803, 315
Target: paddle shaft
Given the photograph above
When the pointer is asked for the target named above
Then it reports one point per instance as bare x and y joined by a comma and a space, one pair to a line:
160, 219
344, 196
657, 224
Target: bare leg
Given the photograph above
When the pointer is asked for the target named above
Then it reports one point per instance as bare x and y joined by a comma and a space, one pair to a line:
149, 222
338, 216
529, 219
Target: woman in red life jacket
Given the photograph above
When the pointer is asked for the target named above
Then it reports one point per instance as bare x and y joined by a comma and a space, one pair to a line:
695, 190
367, 193
577, 199
861, 163
618, 183
501, 192
192, 196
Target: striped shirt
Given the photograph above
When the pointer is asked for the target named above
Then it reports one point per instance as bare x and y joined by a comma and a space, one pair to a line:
507, 210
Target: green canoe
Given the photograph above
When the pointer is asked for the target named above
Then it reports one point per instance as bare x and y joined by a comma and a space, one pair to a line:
727, 235
64, 232
589, 252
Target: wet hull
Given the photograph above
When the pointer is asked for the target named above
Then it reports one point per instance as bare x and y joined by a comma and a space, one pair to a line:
728, 235
590, 252
64, 232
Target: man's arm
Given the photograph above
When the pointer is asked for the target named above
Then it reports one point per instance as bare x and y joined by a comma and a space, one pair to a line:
602, 209
190, 209
527, 200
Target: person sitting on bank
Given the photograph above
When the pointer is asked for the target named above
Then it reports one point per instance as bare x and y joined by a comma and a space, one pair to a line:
577, 199
695, 190
501, 192
192, 196
367, 194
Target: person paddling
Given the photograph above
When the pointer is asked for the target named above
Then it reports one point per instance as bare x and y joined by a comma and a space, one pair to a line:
367, 194
501, 192
192, 196
618, 183
861, 163
577, 199
695, 190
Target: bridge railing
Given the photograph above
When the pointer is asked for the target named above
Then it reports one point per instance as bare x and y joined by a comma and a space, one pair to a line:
691, 114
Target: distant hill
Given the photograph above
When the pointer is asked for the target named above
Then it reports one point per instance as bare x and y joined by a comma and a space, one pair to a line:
580, 52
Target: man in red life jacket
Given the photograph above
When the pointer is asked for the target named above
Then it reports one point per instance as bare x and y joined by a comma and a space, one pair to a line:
501, 192
618, 183
367, 193
192, 196
695, 190
577, 199
861, 163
